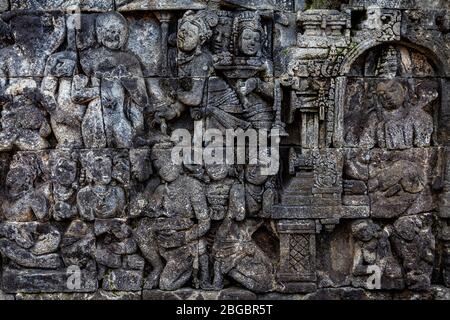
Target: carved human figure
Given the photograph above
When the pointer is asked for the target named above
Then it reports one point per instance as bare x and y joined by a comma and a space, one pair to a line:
25, 200
124, 96
65, 185
257, 91
223, 108
115, 243
373, 249
66, 118
178, 221
28, 55
414, 242
100, 199
222, 38
219, 190
234, 252
258, 198
399, 124
194, 64
31, 244
396, 182
78, 245
24, 117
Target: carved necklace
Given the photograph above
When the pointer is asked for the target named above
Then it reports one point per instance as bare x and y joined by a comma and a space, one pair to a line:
101, 195
255, 195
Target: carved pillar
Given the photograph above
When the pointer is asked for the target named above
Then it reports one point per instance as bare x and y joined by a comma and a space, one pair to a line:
164, 18
297, 271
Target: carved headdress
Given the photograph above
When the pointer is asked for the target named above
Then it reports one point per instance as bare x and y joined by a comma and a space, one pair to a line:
203, 20
388, 63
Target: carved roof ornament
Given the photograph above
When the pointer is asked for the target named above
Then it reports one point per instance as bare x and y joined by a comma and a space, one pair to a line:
388, 63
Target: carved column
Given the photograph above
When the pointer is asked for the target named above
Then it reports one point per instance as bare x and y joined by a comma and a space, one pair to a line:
164, 18
297, 271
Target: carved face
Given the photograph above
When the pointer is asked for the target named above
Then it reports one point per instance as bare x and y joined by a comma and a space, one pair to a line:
217, 171
65, 172
405, 228
167, 171
112, 31
141, 168
254, 176
222, 36
250, 42
188, 37
363, 231
391, 94
18, 180
102, 170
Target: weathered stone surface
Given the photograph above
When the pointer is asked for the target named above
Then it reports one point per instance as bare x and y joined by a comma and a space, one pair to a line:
190, 294
5, 296
35, 280
226, 149
76, 5
99, 295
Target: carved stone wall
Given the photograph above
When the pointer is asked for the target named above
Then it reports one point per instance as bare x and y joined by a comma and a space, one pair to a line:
353, 95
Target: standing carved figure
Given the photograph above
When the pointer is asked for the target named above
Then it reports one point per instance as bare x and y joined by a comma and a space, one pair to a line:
65, 183
119, 111
257, 91
414, 243
66, 118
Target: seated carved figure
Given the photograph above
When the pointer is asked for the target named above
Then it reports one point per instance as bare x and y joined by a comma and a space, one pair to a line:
30, 244
256, 93
24, 117
400, 124
101, 199
194, 65
64, 176
372, 248
236, 254
25, 199
178, 221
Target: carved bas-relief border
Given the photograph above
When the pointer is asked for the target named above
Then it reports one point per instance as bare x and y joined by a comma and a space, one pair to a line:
111, 112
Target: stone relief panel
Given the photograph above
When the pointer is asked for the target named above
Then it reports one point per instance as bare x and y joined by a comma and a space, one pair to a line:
347, 106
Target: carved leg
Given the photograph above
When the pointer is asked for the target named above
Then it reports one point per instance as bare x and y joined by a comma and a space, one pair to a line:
218, 276
176, 273
205, 283
145, 238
